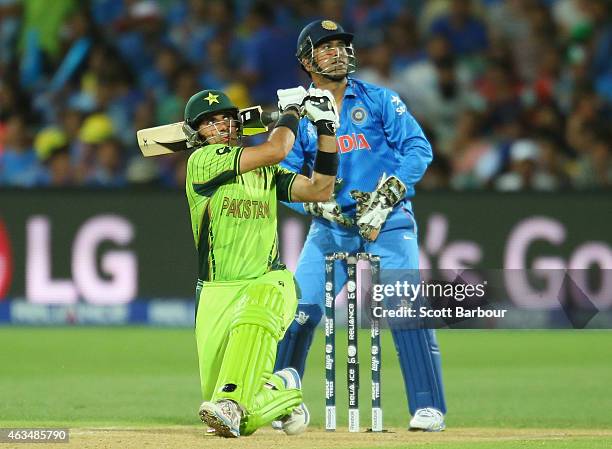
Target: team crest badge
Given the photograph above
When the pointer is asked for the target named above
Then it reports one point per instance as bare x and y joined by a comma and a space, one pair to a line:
329, 25
358, 115
212, 98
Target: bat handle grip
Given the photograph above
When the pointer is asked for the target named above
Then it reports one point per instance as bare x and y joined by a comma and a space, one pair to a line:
269, 117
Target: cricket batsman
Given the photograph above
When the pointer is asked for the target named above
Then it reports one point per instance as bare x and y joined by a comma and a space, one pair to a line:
245, 297
383, 154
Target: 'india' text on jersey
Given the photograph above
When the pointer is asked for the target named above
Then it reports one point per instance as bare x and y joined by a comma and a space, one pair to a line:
377, 135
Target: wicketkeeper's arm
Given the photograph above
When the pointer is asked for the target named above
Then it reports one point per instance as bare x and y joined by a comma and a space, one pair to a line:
407, 139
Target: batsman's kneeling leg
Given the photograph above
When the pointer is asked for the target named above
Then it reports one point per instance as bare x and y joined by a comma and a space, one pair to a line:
254, 333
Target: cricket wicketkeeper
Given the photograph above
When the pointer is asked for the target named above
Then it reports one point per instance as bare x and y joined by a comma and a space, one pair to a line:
383, 154
246, 298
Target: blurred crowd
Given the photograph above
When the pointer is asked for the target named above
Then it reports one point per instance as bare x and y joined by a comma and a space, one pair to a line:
513, 94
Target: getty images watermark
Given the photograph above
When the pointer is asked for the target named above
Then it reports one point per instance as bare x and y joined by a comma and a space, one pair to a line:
403, 299
485, 299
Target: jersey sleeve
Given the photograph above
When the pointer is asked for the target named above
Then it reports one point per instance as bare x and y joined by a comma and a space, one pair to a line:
211, 166
406, 136
284, 183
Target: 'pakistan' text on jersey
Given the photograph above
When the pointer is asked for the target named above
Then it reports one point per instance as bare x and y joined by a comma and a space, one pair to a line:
233, 215
377, 135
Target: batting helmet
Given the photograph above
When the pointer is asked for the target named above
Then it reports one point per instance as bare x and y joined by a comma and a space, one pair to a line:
317, 33
207, 102
202, 104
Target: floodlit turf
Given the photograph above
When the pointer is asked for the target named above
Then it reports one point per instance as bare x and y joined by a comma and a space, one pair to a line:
133, 377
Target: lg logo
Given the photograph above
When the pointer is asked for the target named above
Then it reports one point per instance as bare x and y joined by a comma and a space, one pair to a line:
116, 280
6, 262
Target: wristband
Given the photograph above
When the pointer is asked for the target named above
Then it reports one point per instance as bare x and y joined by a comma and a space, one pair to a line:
326, 163
289, 121
325, 128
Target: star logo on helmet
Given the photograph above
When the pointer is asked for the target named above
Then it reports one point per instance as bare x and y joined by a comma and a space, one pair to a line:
212, 98
329, 25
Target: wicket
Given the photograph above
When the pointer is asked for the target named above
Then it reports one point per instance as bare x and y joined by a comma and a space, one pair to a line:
352, 367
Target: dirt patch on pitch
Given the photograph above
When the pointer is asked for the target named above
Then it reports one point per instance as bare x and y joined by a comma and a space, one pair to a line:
193, 437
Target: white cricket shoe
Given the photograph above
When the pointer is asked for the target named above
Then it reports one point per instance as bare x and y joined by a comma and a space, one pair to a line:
223, 416
298, 420
427, 420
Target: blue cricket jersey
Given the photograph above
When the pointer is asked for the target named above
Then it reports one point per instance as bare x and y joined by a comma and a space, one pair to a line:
377, 135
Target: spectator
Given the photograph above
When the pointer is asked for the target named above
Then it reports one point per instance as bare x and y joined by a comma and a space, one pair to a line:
95, 129
466, 33
541, 72
553, 161
405, 43
594, 167
536, 43
108, 166
269, 54
437, 176
376, 65
474, 159
42, 25
139, 34
52, 149
545, 86
547, 118
367, 16
443, 101
171, 108
582, 120
421, 76
158, 79
201, 22
525, 171
598, 14
9, 29
219, 74
70, 122
18, 164
569, 16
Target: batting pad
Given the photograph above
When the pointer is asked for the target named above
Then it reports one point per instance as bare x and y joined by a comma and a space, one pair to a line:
251, 348
270, 405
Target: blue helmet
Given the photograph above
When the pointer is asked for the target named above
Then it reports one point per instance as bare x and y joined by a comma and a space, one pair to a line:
317, 33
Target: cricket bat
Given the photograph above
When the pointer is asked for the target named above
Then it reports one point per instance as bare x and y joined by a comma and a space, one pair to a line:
166, 139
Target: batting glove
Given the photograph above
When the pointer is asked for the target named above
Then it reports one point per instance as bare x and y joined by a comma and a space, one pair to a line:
330, 210
292, 99
374, 207
321, 110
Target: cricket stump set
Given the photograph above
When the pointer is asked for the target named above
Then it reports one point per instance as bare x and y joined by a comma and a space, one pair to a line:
352, 367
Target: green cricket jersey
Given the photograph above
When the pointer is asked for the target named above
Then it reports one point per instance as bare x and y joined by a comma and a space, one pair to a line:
233, 215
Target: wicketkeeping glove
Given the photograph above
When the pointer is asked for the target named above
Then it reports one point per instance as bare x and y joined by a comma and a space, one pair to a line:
292, 99
321, 110
374, 207
330, 210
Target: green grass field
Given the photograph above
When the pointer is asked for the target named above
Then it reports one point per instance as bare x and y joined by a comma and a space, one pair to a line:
143, 377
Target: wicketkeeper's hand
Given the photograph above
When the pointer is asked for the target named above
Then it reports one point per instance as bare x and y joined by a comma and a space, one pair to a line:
321, 109
330, 210
374, 207
292, 99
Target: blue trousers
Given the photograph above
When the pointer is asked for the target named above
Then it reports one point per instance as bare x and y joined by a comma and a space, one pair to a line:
397, 247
